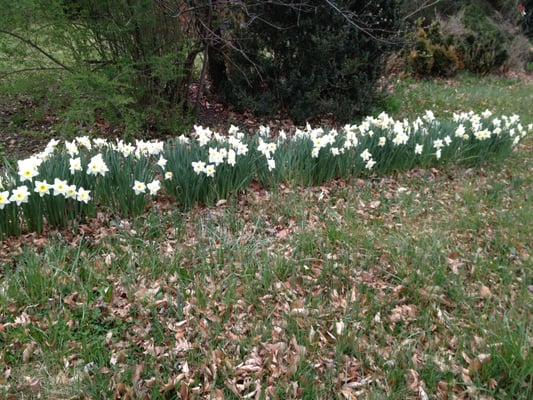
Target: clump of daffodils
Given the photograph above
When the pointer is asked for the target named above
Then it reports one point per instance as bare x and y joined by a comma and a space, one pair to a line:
222, 150
212, 164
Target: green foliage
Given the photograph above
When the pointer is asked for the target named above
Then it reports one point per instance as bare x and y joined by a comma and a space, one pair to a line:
476, 38
126, 64
51, 187
483, 46
115, 189
433, 54
188, 187
311, 59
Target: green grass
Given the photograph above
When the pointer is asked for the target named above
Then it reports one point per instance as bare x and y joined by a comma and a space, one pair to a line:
376, 288
506, 95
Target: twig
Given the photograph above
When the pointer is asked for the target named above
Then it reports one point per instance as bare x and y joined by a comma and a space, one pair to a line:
2, 76
422, 7
36, 47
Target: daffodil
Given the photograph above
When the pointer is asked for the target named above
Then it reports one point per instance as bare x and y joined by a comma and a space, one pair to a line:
70, 192
203, 135
242, 149
438, 143
75, 165
83, 195
20, 195
182, 139
97, 166
198, 166
72, 148
85, 142
483, 134
370, 164
162, 162
231, 160
99, 142
41, 187
400, 138
475, 119
139, 187
27, 169
210, 170
264, 130
486, 114
59, 186
215, 156
429, 116
4, 199
233, 130
125, 148
203, 140
263, 148
365, 155
318, 143
154, 187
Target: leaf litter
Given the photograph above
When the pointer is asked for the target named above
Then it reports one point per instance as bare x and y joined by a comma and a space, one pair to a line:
274, 307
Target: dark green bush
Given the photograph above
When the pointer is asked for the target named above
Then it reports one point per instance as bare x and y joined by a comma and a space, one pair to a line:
433, 54
483, 47
473, 41
309, 58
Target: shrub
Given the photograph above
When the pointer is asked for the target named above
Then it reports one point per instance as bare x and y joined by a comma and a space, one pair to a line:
309, 59
520, 52
469, 40
483, 46
433, 54
128, 63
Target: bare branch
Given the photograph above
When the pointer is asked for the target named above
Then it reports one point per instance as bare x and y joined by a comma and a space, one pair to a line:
351, 21
2, 76
422, 7
38, 48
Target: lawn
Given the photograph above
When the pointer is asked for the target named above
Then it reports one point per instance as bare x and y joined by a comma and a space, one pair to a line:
412, 285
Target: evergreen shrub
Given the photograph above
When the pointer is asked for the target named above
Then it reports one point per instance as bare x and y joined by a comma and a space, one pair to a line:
309, 58
469, 40
483, 47
433, 54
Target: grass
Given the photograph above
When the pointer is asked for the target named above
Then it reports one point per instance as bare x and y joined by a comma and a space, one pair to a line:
464, 93
416, 284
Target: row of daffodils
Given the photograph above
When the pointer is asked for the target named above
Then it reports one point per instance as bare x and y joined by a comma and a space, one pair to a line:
70, 180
